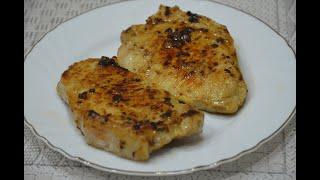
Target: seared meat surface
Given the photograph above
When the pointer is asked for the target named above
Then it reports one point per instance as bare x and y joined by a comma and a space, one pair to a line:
188, 55
119, 112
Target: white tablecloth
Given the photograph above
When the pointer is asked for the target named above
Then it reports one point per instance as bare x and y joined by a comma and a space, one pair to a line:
274, 160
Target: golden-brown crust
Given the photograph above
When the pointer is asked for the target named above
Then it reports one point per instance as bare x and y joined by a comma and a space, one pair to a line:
180, 51
117, 111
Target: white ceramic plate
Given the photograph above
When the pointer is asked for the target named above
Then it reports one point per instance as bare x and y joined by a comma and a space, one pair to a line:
267, 63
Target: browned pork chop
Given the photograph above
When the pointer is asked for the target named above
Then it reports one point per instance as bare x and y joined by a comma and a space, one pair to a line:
189, 55
118, 112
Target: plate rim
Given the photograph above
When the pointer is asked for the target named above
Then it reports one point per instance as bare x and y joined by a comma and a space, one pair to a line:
162, 173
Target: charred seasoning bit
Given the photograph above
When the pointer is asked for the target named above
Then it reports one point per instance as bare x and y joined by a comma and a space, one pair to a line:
105, 61
154, 21
122, 144
116, 98
189, 113
83, 95
92, 90
93, 114
148, 21
159, 126
157, 20
186, 33
228, 71
220, 40
214, 45
193, 18
181, 102
153, 125
146, 52
167, 11
178, 38
133, 154
137, 126
169, 31
166, 114
137, 80
215, 64
106, 117
167, 101
202, 72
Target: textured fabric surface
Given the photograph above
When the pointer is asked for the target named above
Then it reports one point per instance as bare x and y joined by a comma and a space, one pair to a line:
274, 160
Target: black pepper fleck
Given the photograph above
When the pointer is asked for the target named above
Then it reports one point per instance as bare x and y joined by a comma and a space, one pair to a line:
166, 114
167, 101
137, 80
93, 114
105, 61
169, 31
106, 117
193, 18
137, 126
178, 38
116, 98
220, 40
83, 95
227, 70
122, 144
153, 125
167, 11
214, 45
